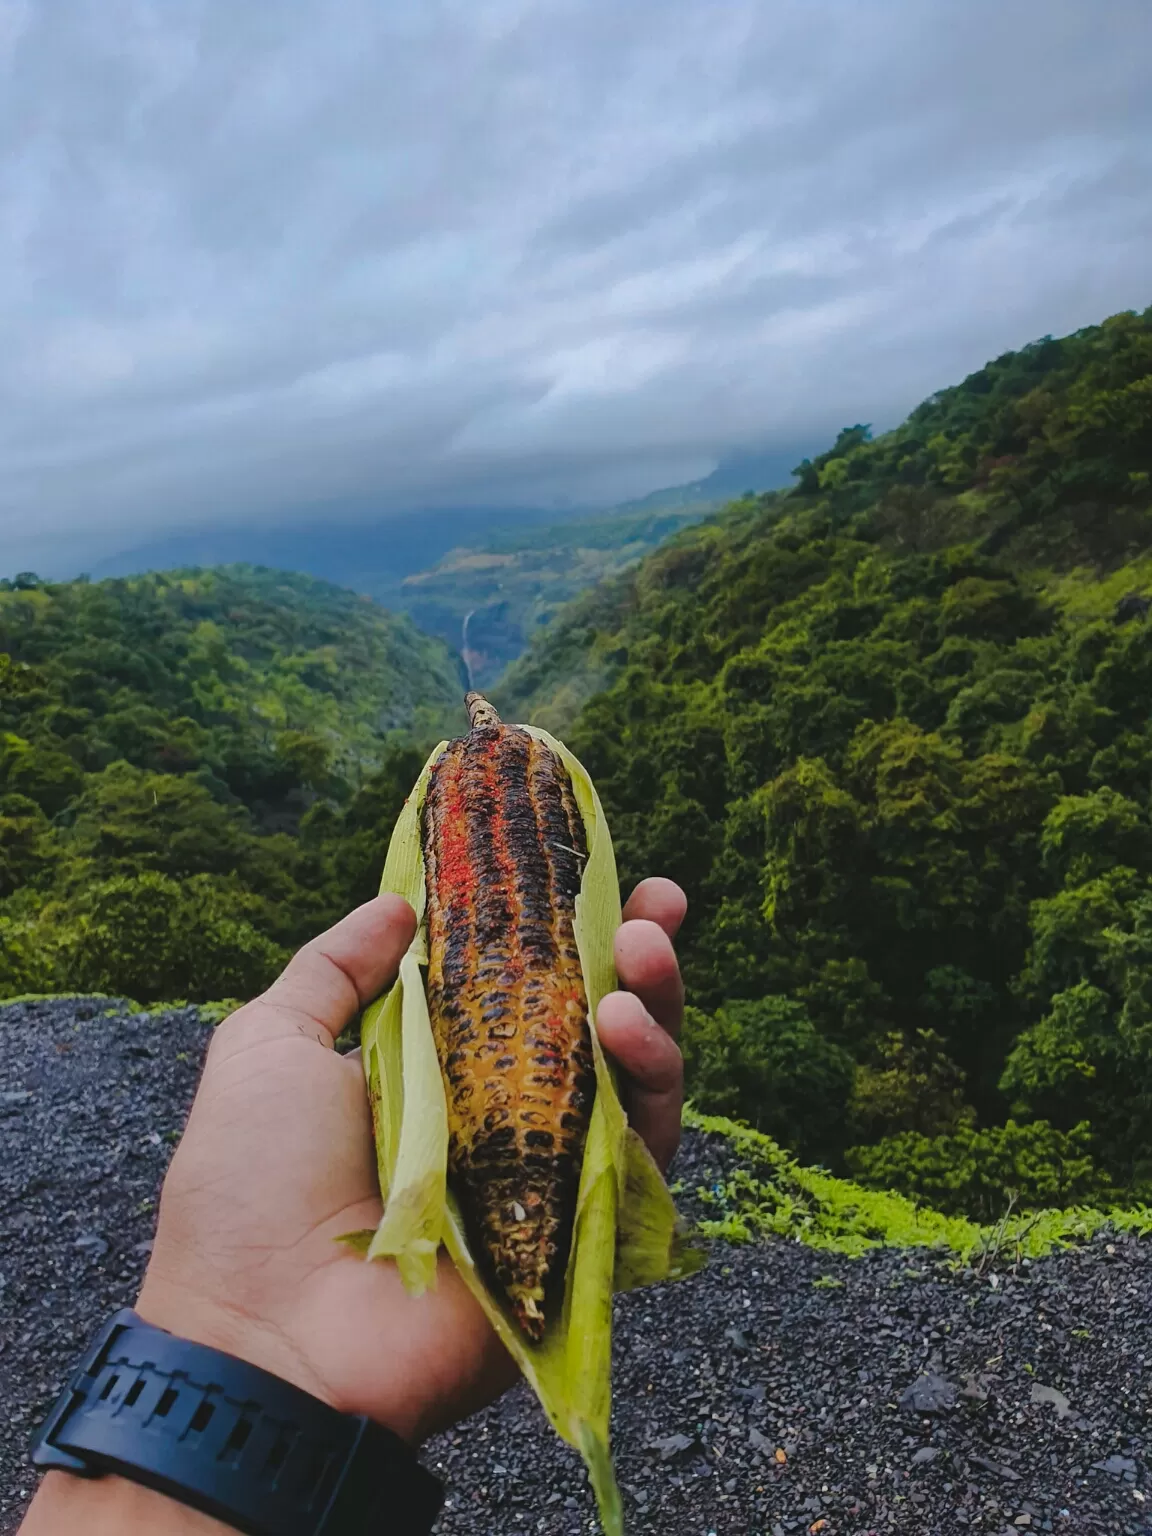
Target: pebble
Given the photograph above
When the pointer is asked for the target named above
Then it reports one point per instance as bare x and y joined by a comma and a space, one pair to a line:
929, 1394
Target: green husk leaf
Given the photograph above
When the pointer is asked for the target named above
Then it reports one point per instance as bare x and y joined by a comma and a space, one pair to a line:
359, 1241
650, 1245
413, 1220
626, 1230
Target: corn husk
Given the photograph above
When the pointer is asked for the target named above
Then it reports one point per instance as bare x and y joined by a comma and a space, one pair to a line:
626, 1230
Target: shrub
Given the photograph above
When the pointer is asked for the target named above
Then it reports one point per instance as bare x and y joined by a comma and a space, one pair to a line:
978, 1172
27, 950
149, 937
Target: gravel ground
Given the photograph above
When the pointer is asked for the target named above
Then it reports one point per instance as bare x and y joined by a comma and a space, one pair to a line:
92, 1099
781, 1391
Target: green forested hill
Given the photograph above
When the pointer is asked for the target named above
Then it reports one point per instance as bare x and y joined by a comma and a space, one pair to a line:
893, 732
195, 769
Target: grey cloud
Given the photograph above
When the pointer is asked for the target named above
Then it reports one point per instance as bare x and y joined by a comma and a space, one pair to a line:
440, 252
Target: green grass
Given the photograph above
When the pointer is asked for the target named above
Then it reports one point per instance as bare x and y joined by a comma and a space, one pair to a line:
216, 1013
771, 1195
210, 1013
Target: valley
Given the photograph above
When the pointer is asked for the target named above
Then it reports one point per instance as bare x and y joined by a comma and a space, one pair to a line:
888, 728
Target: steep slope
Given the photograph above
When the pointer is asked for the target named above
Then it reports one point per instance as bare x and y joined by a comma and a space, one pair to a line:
489, 600
188, 762
1043, 457
891, 732
244, 648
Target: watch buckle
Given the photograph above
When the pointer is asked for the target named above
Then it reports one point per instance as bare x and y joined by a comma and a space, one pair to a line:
44, 1452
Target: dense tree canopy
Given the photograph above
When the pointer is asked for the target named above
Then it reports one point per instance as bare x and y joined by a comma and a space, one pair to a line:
891, 731
196, 770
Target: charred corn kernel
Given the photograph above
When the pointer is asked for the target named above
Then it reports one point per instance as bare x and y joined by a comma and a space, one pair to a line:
504, 847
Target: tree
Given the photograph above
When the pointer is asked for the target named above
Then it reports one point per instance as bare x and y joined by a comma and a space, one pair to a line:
765, 1063
40, 773
814, 847
150, 938
27, 847
308, 758
1086, 836
1068, 932
912, 1086
1091, 1054
131, 820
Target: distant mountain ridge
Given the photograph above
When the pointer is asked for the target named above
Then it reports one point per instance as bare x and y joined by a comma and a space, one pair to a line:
491, 597
490, 600
509, 570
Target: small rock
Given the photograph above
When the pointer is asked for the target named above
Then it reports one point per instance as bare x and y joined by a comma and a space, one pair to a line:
1042, 1394
754, 1394
995, 1467
760, 1442
92, 1243
975, 1388
738, 1339
1117, 1466
673, 1445
929, 1394
925, 1454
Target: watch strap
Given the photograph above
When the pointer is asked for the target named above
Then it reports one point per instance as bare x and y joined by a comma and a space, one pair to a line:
232, 1440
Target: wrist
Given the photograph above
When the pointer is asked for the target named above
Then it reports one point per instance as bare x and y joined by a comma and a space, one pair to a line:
188, 1315
111, 1506
149, 1409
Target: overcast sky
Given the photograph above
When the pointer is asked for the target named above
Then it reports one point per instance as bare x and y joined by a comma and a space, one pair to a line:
261, 259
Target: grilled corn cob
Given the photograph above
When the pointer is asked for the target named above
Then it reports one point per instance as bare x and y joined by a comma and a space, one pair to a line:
504, 846
500, 831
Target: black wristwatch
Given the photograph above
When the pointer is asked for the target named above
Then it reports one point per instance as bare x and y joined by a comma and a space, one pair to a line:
232, 1440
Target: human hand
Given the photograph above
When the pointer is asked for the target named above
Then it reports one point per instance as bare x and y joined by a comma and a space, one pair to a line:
277, 1161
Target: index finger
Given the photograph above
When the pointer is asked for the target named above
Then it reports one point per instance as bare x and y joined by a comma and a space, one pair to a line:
326, 984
